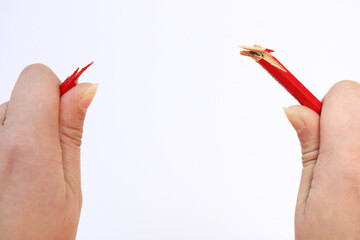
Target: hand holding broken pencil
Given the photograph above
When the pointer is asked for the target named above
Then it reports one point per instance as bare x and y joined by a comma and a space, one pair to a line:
328, 200
40, 138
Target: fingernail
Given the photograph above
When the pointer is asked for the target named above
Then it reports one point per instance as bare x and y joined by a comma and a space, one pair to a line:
288, 112
294, 118
87, 97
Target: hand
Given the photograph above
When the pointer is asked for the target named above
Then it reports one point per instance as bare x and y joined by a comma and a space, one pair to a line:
40, 138
328, 203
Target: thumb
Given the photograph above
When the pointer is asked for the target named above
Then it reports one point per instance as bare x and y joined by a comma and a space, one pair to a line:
73, 107
306, 123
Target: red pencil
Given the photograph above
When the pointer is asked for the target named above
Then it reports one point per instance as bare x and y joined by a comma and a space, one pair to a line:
280, 73
71, 81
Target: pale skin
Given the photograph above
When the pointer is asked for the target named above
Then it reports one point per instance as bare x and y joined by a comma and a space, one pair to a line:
40, 138
328, 203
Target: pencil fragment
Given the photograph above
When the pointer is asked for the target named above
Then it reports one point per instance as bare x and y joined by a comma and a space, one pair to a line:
72, 80
264, 57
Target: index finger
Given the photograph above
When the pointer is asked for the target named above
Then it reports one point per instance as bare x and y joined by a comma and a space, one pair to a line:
340, 120
34, 102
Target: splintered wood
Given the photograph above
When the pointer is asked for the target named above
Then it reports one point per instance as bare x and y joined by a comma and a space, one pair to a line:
258, 52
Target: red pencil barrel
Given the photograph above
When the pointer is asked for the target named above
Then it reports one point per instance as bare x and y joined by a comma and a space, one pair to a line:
294, 86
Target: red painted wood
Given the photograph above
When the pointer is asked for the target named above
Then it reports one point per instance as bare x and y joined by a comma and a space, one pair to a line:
71, 81
293, 85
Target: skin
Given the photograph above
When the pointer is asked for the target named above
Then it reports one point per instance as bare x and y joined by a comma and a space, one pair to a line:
328, 203
40, 138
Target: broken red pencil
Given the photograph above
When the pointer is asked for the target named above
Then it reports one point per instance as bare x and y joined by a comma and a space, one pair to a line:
286, 79
71, 81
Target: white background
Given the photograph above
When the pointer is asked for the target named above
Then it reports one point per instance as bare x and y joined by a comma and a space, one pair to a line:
185, 139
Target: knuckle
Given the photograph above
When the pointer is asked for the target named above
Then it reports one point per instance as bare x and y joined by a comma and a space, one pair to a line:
310, 153
71, 136
309, 157
36, 70
345, 84
341, 89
